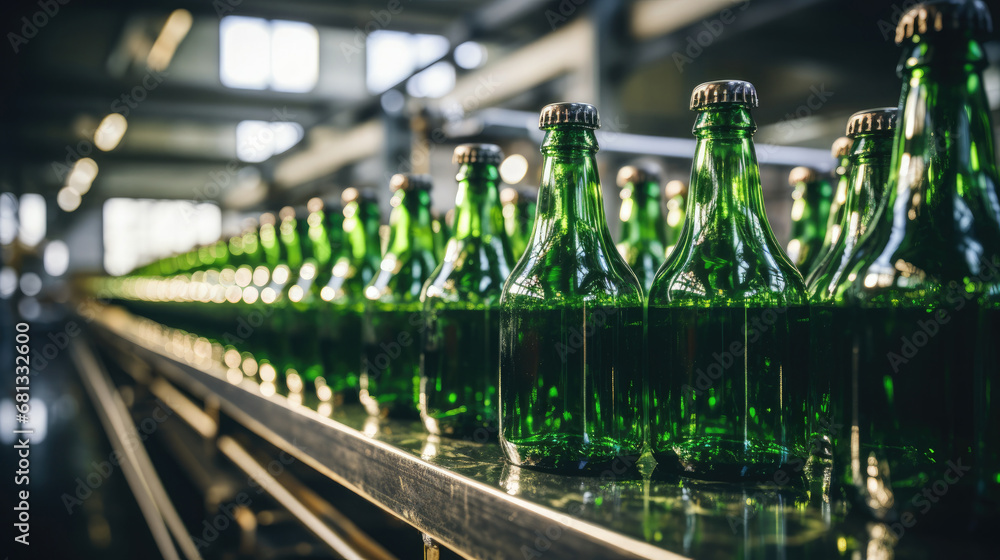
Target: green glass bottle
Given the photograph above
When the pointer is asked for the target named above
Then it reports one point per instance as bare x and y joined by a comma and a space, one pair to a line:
439, 226
727, 315
909, 307
644, 241
518, 216
841, 151
872, 133
302, 307
390, 371
571, 328
810, 212
461, 305
341, 319
676, 193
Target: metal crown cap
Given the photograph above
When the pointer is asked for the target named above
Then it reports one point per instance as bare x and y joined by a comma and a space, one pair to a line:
943, 17
410, 182
638, 173
723, 91
881, 120
571, 114
802, 175
477, 153
841, 146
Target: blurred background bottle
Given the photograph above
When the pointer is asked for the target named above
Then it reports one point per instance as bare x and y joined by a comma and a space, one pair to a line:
644, 240
391, 333
461, 305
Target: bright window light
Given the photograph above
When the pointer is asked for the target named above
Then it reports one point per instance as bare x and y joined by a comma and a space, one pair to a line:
257, 141
393, 55
260, 54
56, 258
435, 81
513, 169
138, 231
32, 219
8, 218
470, 55
294, 56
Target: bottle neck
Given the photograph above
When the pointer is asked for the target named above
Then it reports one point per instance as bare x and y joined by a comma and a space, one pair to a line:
289, 236
641, 217
943, 162
477, 203
725, 180
870, 165
321, 248
570, 191
269, 245
410, 224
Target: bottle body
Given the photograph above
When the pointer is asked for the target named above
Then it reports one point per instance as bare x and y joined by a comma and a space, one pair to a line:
571, 327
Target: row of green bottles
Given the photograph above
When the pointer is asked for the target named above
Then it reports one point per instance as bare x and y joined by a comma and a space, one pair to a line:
908, 359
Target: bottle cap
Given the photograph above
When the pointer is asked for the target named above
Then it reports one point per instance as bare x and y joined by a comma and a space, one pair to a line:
841, 147
638, 173
315, 204
409, 182
477, 153
267, 219
802, 175
723, 91
286, 213
945, 17
881, 120
572, 114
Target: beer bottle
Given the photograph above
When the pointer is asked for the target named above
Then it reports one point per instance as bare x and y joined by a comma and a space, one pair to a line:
390, 373
810, 211
571, 319
643, 242
341, 318
870, 158
301, 308
920, 393
727, 315
870, 133
676, 192
841, 151
518, 216
461, 305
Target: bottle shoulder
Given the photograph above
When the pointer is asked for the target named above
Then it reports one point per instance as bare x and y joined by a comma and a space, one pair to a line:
727, 275
546, 276
473, 272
